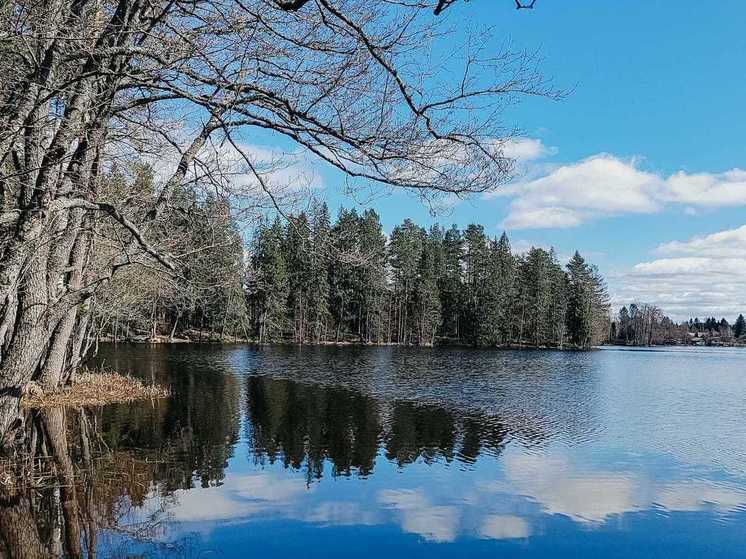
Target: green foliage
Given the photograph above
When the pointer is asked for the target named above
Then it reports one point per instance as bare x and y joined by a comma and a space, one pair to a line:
588, 305
424, 287
271, 285
308, 280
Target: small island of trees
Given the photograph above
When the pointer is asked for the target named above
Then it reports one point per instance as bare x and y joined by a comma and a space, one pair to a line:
304, 279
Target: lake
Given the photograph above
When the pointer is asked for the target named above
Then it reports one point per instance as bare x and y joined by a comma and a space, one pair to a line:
386, 451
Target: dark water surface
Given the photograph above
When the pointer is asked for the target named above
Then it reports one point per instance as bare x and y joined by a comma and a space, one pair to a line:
389, 452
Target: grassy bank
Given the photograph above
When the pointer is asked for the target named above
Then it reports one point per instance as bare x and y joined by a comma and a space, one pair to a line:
93, 389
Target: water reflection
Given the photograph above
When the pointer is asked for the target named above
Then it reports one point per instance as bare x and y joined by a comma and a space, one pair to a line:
305, 426
269, 451
67, 487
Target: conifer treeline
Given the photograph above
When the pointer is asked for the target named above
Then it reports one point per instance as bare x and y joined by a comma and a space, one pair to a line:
312, 281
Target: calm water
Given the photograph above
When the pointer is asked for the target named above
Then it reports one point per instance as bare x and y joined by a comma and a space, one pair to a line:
371, 452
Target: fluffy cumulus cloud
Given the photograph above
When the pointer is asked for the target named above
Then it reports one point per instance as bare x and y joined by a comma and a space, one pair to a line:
572, 194
704, 275
604, 186
708, 190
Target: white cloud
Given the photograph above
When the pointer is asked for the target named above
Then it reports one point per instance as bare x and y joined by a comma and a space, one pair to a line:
418, 516
343, 513
522, 216
223, 168
708, 190
279, 171
702, 276
525, 149
605, 185
699, 495
730, 243
572, 194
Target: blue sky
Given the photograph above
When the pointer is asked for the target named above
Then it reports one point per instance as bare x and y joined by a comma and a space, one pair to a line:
639, 167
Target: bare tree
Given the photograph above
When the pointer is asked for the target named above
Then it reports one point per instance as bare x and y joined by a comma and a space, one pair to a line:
85, 84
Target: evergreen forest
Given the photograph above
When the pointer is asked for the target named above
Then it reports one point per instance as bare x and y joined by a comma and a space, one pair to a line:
306, 278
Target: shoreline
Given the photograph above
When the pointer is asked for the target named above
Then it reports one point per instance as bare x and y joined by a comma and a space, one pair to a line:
164, 340
230, 340
730, 344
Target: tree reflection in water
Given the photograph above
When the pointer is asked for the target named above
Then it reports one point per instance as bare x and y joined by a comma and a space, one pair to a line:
306, 425
67, 486
101, 481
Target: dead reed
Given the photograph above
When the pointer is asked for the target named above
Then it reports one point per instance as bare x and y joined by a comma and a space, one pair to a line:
94, 389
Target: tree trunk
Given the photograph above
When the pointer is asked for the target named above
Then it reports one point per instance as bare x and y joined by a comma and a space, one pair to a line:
30, 338
173, 330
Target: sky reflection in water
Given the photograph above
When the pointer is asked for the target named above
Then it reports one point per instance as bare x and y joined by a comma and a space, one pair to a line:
330, 452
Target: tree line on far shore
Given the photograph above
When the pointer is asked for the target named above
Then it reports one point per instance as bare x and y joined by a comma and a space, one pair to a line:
643, 324
305, 279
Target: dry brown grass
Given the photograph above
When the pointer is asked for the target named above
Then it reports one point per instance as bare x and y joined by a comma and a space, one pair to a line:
94, 389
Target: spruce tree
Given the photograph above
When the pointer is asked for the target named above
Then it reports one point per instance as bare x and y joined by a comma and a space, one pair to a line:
475, 260
579, 303
557, 319
491, 320
318, 296
343, 277
587, 303
739, 328
505, 270
372, 278
271, 283
405, 249
451, 285
298, 254
624, 326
